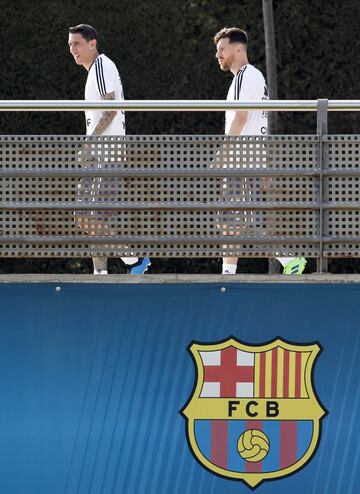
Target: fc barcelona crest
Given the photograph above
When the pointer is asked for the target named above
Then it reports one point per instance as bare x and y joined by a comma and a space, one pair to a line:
253, 414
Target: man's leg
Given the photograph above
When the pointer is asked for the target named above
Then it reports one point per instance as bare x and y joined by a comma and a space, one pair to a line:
98, 222
100, 265
237, 222
229, 265
135, 265
293, 265
140, 266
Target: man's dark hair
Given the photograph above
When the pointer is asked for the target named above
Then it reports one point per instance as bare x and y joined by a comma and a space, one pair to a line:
234, 34
86, 31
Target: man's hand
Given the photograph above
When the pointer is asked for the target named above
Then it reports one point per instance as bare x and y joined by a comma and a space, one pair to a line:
266, 183
87, 156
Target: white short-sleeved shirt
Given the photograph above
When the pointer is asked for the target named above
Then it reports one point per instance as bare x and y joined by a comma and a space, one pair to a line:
103, 78
248, 84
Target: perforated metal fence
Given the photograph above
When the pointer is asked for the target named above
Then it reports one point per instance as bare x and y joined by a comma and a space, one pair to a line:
181, 196
170, 196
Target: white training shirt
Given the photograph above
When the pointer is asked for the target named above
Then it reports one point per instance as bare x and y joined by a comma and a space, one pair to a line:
103, 78
248, 84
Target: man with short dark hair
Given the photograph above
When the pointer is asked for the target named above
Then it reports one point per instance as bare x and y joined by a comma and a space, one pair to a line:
248, 84
103, 83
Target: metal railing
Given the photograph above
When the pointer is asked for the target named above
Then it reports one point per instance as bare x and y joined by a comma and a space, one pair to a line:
179, 105
181, 196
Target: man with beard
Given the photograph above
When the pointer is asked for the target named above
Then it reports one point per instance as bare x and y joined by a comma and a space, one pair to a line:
248, 84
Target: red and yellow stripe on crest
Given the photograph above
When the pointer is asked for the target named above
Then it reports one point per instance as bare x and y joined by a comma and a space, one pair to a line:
280, 373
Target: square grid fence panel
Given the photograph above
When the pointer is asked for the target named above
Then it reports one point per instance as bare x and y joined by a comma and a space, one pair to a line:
172, 196
342, 196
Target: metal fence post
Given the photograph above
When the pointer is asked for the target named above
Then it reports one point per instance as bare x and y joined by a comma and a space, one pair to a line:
322, 130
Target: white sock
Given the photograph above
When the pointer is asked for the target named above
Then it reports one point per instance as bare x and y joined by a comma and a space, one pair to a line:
229, 268
284, 260
130, 260
100, 271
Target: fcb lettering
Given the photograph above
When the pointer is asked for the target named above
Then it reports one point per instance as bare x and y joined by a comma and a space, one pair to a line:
250, 408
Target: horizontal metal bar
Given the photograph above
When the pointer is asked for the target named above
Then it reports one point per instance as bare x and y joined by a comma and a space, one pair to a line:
176, 173
171, 172
344, 105
149, 206
335, 172
183, 252
155, 105
134, 142
230, 239
341, 240
226, 240
172, 206
341, 205
156, 172
175, 105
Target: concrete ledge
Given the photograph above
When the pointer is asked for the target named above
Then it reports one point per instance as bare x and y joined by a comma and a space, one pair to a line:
180, 278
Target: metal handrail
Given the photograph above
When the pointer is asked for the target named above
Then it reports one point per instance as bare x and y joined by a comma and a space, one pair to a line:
175, 105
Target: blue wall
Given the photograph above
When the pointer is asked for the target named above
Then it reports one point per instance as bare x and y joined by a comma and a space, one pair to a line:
92, 379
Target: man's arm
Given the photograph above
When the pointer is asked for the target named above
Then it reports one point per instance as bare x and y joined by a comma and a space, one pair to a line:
87, 155
227, 153
106, 118
238, 123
